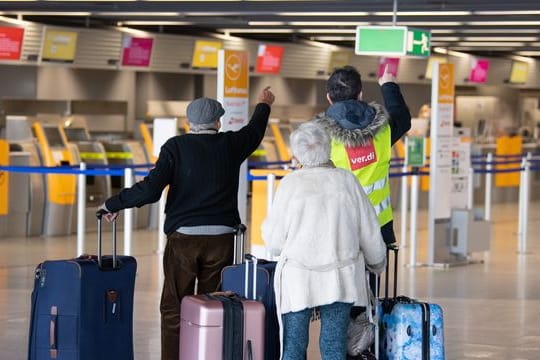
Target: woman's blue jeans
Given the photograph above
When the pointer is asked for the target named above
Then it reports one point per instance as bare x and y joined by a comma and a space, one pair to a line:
333, 337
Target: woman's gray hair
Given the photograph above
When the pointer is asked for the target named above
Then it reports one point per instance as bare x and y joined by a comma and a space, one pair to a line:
310, 144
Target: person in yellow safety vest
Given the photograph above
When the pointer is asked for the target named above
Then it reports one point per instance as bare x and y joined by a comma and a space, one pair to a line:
363, 134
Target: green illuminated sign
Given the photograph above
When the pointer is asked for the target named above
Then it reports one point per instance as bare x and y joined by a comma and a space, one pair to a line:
381, 40
418, 42
415, 151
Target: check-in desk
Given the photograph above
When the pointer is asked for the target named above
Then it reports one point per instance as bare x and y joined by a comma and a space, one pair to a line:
60, 188
505, 185
26, 190
128, 152
98, 188
4, 189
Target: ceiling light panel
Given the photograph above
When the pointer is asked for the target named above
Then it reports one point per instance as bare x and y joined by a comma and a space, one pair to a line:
266, 23
489, 44
133, 13
156, 22
328, 23
508, 12
500, 38
333, 38
529, 53
423, 13
326, 31
498, 31
325, 13
261, 31
503, 23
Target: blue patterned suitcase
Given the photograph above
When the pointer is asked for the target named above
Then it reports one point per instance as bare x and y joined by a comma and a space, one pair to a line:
409, 329
82, 309
412, 331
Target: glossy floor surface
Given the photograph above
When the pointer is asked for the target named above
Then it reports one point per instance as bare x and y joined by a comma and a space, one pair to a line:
491, 309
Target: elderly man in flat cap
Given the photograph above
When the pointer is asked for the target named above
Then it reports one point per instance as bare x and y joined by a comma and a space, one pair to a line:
201, 169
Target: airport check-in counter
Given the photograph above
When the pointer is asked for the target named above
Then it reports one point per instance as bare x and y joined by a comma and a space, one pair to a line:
60, 188
128, 152
4, 190
19, 193
26, 190
98, 188
505, 185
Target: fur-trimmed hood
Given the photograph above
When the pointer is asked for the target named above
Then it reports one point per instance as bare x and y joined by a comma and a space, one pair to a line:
368, 119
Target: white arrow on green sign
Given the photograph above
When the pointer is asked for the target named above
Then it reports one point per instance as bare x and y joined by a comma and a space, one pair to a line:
418, 42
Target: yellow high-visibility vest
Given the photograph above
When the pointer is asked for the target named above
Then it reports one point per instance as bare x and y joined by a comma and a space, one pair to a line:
370, 164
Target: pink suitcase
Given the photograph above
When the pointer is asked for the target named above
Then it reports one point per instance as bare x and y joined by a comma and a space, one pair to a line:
207, 332
202, 329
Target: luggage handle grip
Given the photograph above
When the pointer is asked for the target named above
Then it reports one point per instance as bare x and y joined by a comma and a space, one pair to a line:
53, 348
99, 216
250, 258
239, 234
395, 249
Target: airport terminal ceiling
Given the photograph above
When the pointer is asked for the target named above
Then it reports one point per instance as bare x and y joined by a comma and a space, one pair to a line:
480, 27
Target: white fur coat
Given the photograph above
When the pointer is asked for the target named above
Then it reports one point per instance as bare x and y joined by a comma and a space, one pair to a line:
325, 230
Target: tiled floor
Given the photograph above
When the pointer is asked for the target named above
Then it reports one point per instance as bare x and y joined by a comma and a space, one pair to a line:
492, 310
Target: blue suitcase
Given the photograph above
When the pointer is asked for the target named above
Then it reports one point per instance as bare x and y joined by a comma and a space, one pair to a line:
233, 279
409, 329
82, 309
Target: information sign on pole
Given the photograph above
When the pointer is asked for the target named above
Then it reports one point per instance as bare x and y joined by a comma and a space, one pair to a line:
415, 151
442, 122
418, 42
164, 129
233, 94
381, 40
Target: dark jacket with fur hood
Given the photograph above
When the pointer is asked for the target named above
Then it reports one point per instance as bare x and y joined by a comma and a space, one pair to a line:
355, 122
370, 118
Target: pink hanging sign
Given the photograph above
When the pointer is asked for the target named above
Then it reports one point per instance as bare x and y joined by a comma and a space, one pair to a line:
479, 71
136, 51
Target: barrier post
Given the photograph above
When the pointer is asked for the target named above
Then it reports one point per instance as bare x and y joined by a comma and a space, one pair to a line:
128, 214
404, 205
489, 185
81, 209
470, 190
526, 196
270, 181
521, 200
414, 213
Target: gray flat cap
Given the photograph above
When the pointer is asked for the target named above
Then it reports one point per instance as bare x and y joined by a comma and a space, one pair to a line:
204, 111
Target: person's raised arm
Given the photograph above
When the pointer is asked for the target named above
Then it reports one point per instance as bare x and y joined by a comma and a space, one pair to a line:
400, 117
251, 135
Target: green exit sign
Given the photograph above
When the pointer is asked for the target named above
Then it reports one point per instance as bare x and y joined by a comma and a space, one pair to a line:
381, 40
418, 42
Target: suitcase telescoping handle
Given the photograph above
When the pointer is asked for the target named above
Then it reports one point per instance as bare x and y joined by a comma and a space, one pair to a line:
250, 258
395, 249
99, 216
239, 243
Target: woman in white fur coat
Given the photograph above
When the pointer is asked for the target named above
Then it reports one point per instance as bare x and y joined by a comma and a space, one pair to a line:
325, 231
